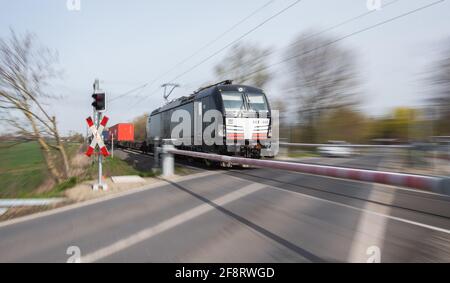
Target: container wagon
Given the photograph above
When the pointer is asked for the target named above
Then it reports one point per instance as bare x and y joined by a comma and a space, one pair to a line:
122, 132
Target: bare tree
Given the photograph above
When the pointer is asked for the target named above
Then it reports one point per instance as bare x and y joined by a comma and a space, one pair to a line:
25, 72
244, 59
440, 92
322, 76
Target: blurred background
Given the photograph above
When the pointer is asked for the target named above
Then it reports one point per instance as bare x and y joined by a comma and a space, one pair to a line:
370, 73
361, 84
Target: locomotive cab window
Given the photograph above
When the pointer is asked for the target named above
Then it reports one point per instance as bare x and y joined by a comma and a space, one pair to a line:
257, 102
233, 101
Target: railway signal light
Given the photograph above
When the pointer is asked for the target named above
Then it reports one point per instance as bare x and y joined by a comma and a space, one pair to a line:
99, 101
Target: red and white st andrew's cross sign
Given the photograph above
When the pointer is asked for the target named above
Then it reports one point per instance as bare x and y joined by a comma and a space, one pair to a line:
97, 138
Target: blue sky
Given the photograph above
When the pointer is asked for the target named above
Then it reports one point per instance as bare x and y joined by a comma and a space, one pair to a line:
128, 43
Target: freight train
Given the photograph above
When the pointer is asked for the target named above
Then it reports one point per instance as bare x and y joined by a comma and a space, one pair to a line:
244, 129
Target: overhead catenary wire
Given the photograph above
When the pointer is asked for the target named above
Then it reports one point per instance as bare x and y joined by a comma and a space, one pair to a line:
237, 39
321, 31
349, 20
315, 34
213, 41
208, 44
346, 36
128, 92
312, 35
226, 46
325, 30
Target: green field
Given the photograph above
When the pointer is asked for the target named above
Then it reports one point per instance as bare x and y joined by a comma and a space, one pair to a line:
112, 167
22, 169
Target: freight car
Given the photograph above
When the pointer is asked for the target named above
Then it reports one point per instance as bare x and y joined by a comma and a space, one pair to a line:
122, 132
122, 135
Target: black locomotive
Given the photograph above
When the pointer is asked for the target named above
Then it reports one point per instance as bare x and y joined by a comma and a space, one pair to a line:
244, 129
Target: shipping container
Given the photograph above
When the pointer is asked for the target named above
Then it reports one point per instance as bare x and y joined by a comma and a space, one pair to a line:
121, 132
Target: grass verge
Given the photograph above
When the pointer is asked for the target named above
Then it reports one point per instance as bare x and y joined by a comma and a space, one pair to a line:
23, 170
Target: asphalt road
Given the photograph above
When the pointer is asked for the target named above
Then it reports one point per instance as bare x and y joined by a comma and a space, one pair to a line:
243, 215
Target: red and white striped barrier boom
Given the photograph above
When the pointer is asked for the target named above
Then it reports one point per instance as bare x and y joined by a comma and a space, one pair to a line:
97, 136
404, 146
429, 183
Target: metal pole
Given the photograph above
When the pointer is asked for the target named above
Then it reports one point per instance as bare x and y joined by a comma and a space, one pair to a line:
168, 161
98, 115
112, 145
100, 175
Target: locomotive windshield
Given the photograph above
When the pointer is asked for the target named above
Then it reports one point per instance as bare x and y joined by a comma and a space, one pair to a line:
257, 102
233, 101
237, 101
